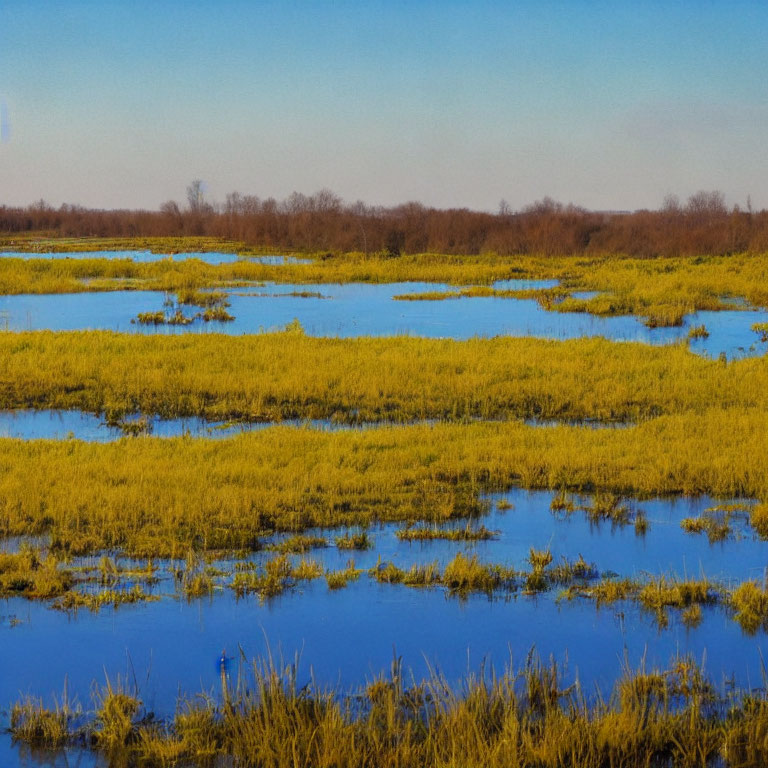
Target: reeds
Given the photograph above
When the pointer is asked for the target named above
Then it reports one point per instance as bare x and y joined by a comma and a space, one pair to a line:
159, 497
514, 719
662, 291
359, 540
468, 532
262, 377
698, 332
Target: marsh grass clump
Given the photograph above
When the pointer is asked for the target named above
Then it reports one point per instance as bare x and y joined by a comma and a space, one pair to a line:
566, 572
667, 316
467, 574
117, 711
606, 591
25, 573
298, 544
34, 724
340, 579
562, 502
109, 571
195, 579
716, 529
750, 601
150, 318
161, 318
428, 533
216, 314
602, 507
275, 577
608, 506
662, 593
543, 575
758, 519
360, 541
698, 332
692, 616
95, 601
416, 576
197, 298
641, 523
135, 427
761, 329
716, 521
199, 585
179, 318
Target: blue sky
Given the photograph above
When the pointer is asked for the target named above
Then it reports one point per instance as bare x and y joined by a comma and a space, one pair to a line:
608, 105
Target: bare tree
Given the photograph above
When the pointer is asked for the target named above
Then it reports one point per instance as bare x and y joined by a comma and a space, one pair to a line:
196, 195
705, 203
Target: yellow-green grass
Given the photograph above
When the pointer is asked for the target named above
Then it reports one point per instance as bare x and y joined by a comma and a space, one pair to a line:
289, 375
62, 275
673, 717
163, 496
36, 242
661, 290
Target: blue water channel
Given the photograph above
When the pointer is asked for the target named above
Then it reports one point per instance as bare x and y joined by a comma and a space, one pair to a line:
361, 309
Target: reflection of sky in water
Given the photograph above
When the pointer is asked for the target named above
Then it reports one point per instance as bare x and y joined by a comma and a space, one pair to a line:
347, 636
360, 309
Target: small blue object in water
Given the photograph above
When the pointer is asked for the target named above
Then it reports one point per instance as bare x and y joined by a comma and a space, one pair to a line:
223, 660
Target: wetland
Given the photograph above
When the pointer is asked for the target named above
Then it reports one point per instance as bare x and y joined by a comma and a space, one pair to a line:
378, 511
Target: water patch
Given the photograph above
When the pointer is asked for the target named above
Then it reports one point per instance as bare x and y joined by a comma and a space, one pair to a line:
361, 309
144, 257
51, 424
347, 636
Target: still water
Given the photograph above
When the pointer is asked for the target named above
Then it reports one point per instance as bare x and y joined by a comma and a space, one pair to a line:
347, 636
209, 257
360, 309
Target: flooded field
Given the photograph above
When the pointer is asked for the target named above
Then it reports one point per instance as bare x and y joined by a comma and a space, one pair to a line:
524, 515
350, 310
430, 627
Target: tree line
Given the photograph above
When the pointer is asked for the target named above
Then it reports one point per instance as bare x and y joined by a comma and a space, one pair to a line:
702, 225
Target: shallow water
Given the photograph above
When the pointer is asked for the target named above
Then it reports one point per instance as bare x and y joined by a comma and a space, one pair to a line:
209, 257
348, 636
422, 624
61, 425
360, 309
51, 424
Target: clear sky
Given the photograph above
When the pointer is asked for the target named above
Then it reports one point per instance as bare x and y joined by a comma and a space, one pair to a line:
609, 105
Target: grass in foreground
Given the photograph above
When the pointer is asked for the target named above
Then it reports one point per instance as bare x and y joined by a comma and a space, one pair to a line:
670, 718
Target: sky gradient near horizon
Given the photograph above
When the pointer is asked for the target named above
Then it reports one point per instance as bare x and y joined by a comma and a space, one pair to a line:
455, 104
